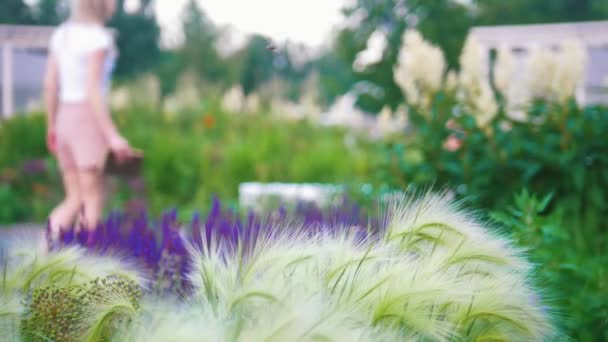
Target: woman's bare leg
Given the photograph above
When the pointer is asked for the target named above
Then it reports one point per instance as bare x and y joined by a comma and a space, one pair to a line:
92, 195
62, 217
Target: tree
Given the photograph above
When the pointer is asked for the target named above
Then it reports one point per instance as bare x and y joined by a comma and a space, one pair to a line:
335, 76
138, 39
15, 12
498, 12
444, 22
199, 53
50, 12
258, 65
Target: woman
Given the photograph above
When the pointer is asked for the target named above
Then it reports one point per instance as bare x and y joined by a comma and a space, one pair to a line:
80, 131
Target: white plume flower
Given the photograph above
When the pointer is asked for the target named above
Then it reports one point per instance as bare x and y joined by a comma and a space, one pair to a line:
475, 91
504, 70
451, 81
373, 53
556, 75
388, 123
252, 103
234, 100
420, 69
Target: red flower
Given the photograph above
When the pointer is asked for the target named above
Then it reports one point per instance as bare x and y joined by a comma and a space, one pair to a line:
208, 121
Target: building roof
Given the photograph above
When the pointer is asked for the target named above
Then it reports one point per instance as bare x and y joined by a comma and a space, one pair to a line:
591, 33
19, 36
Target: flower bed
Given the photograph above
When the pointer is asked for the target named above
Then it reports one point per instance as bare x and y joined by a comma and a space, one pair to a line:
160, 247
432, 273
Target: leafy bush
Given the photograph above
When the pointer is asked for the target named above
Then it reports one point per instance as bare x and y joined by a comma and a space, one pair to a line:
25, 170
559, 149
576, 276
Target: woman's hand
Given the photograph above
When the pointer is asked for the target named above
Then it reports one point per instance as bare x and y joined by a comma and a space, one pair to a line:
122, 150
51, 140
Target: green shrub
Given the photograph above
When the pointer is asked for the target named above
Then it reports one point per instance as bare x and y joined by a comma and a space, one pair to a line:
190, 156
576, 276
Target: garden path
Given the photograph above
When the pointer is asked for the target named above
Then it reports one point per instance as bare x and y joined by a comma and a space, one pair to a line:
24, 231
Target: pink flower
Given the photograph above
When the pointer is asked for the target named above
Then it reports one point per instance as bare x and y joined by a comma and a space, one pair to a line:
452, 143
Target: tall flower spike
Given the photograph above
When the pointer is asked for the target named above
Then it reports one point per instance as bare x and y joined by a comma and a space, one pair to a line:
420, 69
504, 70
475, 90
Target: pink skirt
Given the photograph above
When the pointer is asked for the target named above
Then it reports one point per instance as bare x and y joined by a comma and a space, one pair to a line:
81, 145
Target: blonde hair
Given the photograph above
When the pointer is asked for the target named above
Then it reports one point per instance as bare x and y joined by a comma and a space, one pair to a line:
92, 9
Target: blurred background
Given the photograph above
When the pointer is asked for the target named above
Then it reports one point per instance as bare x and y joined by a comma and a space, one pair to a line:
268, 103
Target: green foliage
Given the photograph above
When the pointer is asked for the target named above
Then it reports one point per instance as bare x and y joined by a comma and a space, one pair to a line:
23, 143
497, 12
576, 274
199, 53
558, 149
138, 39
258, 64
445, 23
50, 12
27, 134
335, 76
209, 152
15, 12
190, 156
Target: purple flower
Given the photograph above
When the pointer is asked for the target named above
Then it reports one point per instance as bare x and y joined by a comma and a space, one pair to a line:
161, 245
137, 184
34, 167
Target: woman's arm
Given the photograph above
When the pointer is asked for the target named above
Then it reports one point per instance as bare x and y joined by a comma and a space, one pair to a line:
51, 99
95, 97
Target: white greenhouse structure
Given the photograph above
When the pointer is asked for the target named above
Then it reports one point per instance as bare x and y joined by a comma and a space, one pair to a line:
521, 39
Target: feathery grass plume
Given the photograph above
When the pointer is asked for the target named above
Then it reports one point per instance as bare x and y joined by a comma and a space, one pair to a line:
436, 274
11, 310
503, 309
496, 273
27, 269
68, 266
108, 304
164, 320
435, 227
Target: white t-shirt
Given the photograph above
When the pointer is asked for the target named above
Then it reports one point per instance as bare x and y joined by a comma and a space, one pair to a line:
72, 45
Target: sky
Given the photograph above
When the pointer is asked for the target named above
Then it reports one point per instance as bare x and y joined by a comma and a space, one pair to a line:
302, 21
